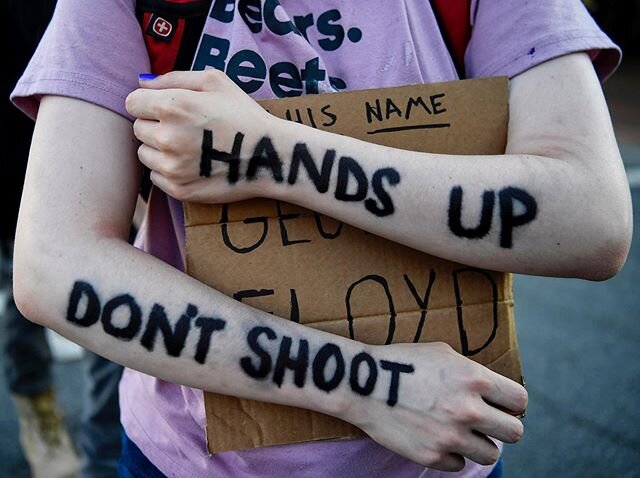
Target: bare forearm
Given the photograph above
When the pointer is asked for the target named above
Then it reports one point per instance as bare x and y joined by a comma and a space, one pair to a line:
130, 307
521, 213
556, 204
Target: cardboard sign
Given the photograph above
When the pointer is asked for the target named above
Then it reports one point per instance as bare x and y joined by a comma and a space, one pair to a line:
315, 270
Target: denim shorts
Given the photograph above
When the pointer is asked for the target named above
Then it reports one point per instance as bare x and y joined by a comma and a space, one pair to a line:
133, 463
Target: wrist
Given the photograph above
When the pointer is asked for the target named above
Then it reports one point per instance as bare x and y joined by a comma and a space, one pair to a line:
283, 134
343, 402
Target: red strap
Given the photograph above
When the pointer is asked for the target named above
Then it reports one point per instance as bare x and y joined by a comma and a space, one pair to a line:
454, 17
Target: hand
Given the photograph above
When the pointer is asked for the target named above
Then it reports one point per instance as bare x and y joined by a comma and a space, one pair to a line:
446, 409
173, 112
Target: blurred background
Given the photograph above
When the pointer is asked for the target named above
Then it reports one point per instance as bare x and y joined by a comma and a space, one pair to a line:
579, 340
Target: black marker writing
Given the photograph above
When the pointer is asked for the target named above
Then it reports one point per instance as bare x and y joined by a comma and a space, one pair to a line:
352, 182
265, 157
464, 340
298, 364
284, 234
354, 375
174, 337
207, 325
324, 234
376, 110
423, 302
224, 220
328, 118
262, 370
396, 369
209, 154
327, 366
134, 321
385, 205
326, 354
80, 291
349, 168
392, 309
320, 178
508, 219
122, 318
455, 215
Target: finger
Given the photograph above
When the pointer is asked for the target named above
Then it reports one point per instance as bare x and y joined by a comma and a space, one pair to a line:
154, 104
505, 393
141, 103
448, 462
147, 132
151, 158
500, 425
177, 191
188, 80
168, 165
480, 449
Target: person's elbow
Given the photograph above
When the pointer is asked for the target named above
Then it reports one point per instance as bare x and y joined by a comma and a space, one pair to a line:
42, 263
608, 233
31, 271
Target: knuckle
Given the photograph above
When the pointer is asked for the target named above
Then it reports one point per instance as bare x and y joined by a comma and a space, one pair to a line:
449, 440
175, 190
212, 77
164, 108
164, 139
179, 101
181, 192
469, 416
171, 168
171, 76
433, 457
449, 409
478, 381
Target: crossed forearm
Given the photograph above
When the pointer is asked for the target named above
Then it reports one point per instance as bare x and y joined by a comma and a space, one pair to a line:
509, 212
173, 327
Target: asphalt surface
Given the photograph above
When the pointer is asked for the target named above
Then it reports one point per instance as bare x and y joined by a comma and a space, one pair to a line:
579, 344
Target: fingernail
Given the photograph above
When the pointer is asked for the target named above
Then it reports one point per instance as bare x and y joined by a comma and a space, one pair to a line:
147, 76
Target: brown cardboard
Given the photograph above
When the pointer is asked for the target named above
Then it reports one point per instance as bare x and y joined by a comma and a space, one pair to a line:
336, 282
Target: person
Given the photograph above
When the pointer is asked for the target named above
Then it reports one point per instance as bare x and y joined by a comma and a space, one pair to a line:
26, 354
76, 273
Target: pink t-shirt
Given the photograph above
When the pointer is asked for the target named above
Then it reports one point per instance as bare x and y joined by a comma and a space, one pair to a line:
95, 50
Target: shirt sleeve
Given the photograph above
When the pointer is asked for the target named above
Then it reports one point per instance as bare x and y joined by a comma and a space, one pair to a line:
92, 50
511, 36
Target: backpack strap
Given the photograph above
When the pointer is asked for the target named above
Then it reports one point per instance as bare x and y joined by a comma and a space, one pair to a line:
454, 19
171, 30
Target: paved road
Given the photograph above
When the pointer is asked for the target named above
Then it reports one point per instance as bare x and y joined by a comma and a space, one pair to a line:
580, 344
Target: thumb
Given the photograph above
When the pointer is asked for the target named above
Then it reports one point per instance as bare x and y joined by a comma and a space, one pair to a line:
186, 80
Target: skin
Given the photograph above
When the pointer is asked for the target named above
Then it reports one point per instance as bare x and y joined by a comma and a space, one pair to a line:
75, 220
561, 150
